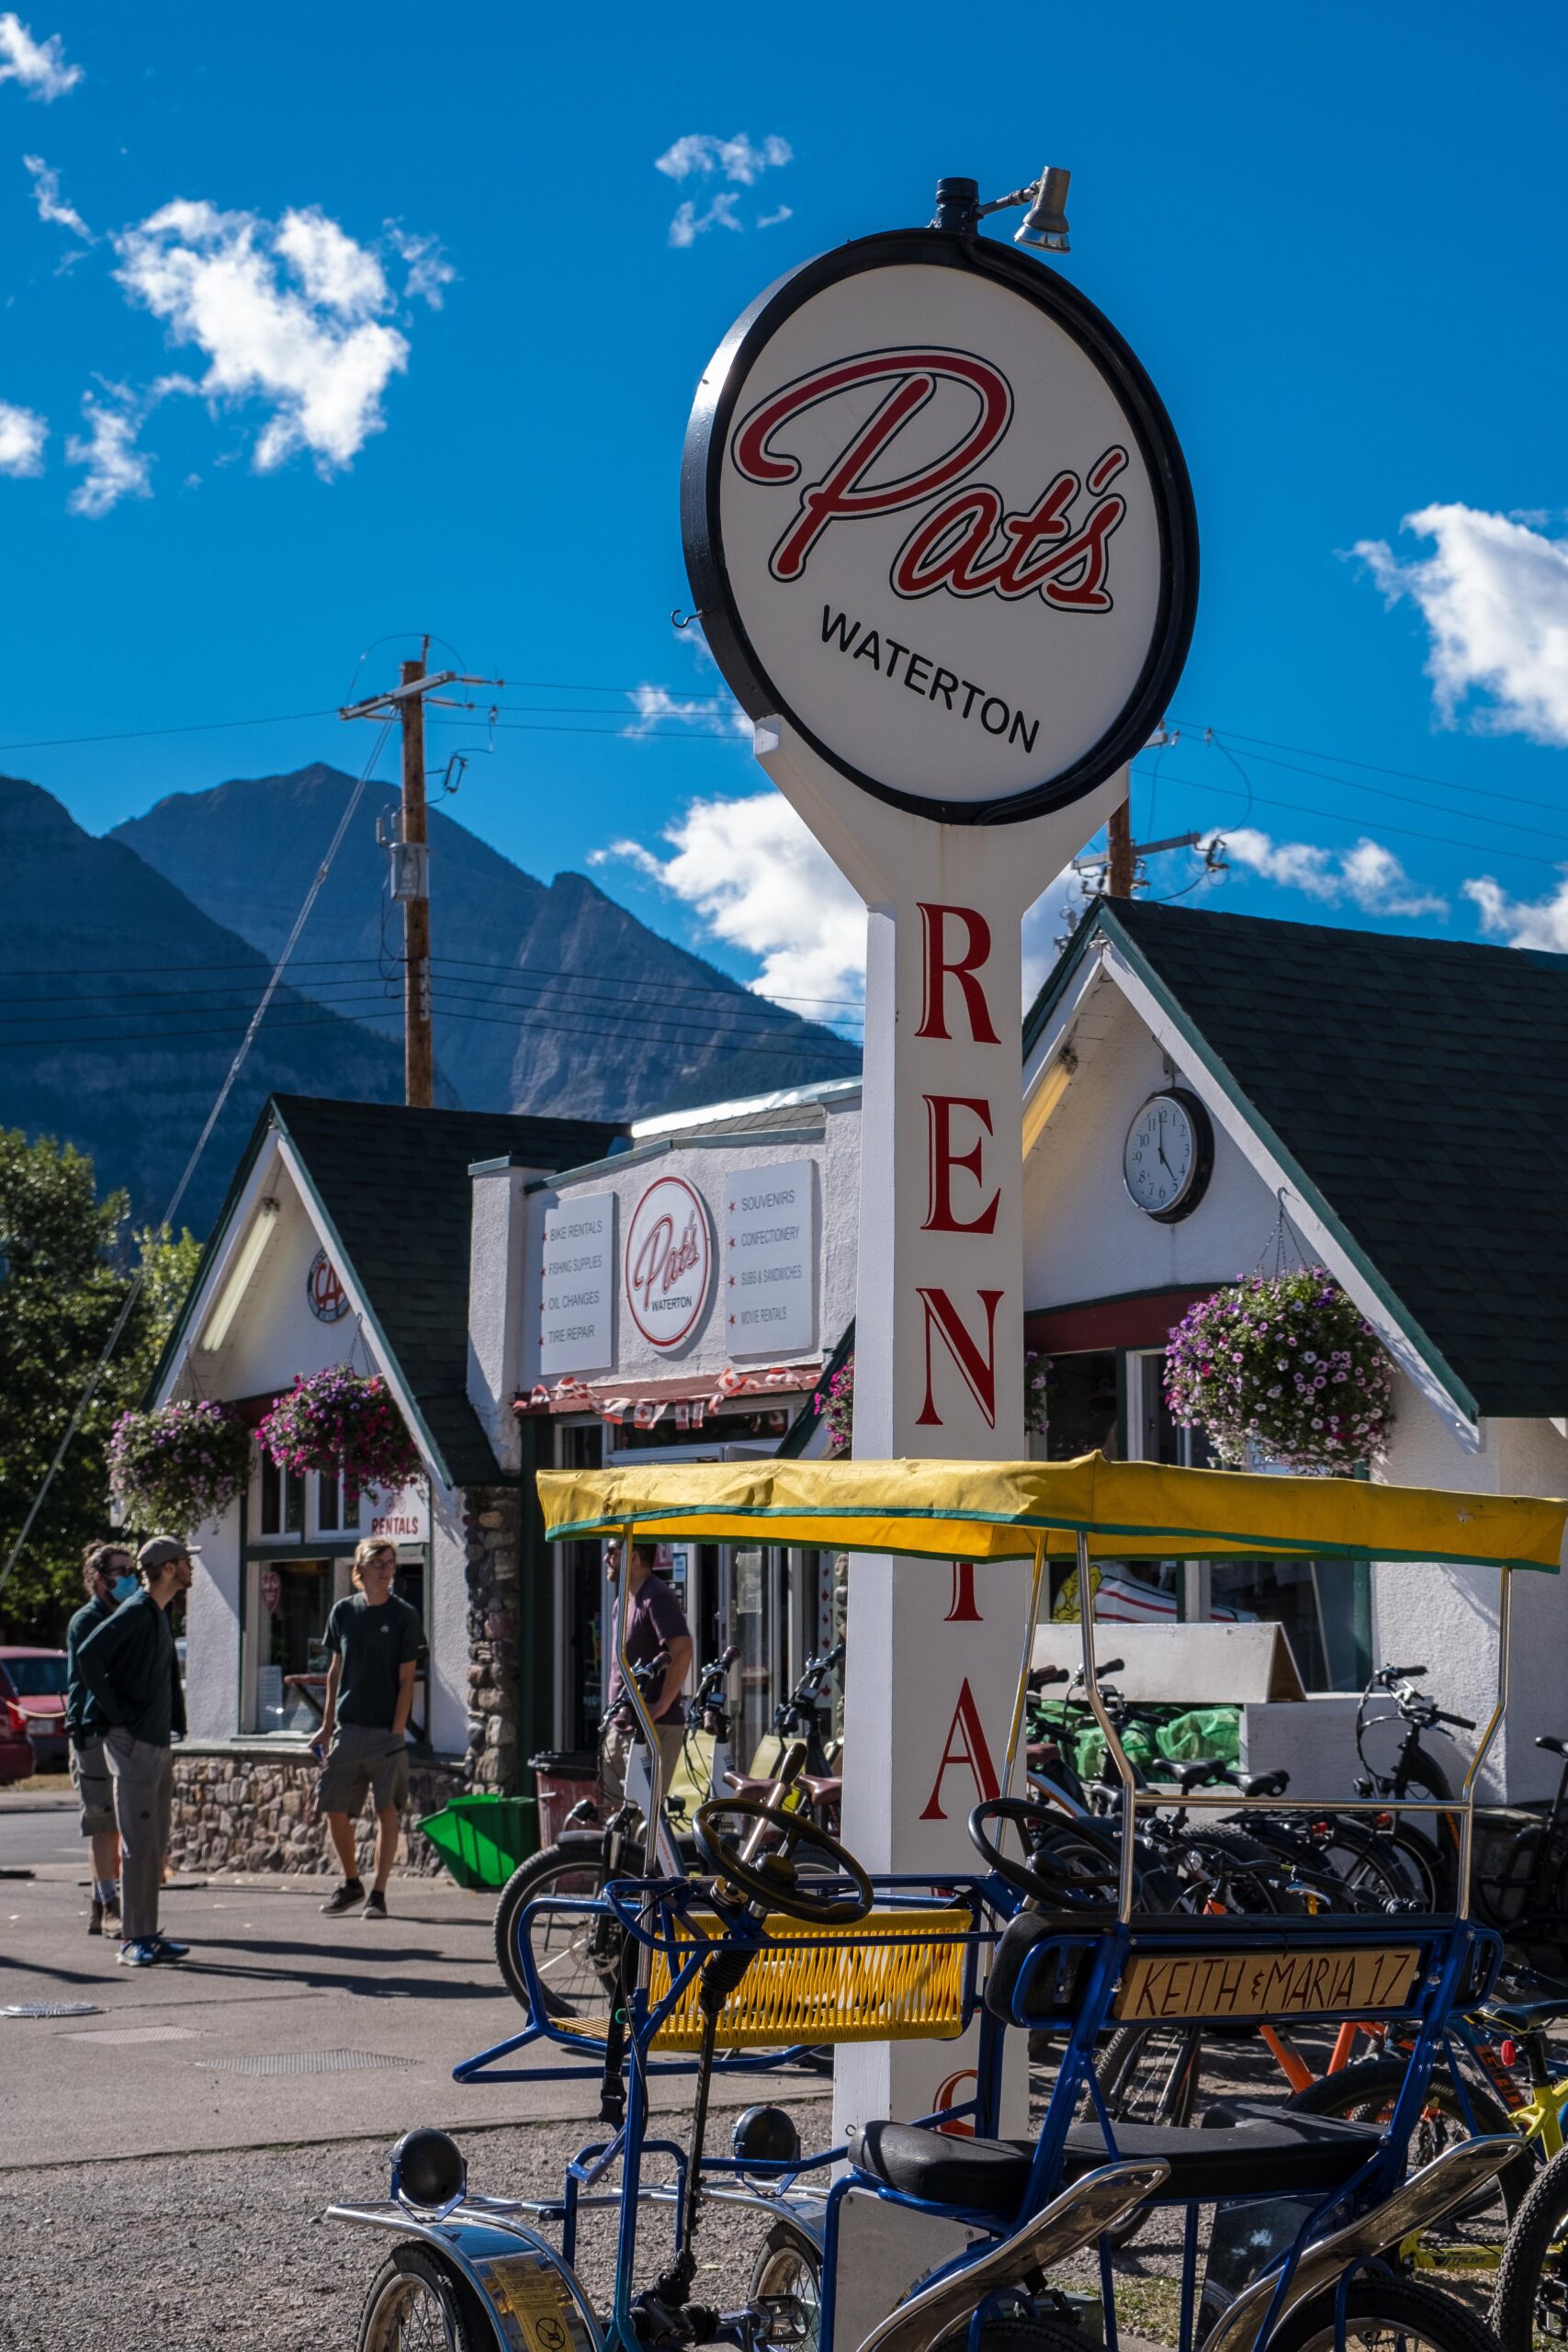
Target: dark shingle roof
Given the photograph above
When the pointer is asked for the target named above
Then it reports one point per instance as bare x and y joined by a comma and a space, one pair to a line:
393, 1185
1420, 1086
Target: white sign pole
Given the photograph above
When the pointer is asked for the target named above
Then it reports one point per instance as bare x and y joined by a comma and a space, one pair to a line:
932, 1658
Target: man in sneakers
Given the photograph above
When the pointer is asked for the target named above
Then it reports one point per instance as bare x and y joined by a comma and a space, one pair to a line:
108, 1573
129, 1667
373, 1642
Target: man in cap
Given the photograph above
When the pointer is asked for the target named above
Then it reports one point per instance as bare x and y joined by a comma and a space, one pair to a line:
130, 1668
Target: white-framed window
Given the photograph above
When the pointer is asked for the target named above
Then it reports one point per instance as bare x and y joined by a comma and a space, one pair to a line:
300, 1506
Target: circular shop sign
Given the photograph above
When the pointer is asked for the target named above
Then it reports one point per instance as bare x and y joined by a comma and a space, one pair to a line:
936, 516
329, 1300
669, 1262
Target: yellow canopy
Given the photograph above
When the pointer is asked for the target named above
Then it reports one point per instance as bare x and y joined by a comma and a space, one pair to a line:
995, 1510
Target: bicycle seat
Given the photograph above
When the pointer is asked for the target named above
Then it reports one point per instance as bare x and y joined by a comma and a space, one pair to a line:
1552, 1743
1263, 2152
822, 1788
742, 1786
1198, 1773
1525, 2017
1266, 1784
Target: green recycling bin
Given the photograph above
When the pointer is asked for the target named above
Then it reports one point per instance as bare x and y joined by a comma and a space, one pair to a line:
481, 1840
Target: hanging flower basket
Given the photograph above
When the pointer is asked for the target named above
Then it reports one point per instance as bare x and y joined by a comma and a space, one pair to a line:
1284, 1367
1036, 1388
836, 1406
338, 1421
179, 1466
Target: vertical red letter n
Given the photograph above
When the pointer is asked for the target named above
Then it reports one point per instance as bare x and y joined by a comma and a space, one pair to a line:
979, 1370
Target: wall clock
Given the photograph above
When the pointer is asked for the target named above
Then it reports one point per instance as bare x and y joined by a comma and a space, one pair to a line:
1169, 1156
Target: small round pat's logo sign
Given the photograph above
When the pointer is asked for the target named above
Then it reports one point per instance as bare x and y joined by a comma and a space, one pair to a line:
669, 1262
936, 517
329, 1300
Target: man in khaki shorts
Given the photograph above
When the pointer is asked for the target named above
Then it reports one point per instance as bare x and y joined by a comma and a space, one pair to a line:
373, 1642
108, 1573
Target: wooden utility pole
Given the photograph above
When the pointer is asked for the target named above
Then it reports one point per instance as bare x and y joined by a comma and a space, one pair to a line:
1121, 862
419, 1058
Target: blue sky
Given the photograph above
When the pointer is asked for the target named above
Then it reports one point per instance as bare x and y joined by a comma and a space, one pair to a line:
385, 323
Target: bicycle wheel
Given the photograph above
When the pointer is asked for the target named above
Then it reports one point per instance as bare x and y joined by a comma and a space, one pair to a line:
788, 2276
1530, 2306
1242, 1874
1016, 2332
573, 1955
1365, 2093
417, 2303
1385, 2314
1149, 2073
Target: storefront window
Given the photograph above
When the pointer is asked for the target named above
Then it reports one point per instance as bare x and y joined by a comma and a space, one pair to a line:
1084, 1406
337, 1504
295, 1598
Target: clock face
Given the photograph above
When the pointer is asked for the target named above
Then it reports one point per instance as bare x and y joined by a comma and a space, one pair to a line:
1167, 1155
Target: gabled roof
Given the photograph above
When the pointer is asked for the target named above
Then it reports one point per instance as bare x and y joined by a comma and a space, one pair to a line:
1417, 1088
390, 1186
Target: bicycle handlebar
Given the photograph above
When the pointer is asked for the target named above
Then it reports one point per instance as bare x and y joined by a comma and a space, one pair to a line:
1465, 1722
1387, 1674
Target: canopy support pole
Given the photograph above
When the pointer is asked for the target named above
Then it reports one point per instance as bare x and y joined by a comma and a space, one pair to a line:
1113, 1740
1467, 1793
655, 1755
1020, 1695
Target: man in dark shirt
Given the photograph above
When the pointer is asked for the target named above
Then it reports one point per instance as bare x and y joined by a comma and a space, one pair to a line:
373, 1641
129, 1667
108, 1574
655, 1621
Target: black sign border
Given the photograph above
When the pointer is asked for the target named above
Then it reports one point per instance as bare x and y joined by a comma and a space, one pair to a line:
707, 437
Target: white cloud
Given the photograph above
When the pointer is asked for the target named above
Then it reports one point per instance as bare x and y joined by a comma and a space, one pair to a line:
22, 435
289, 314
1522, 922
429, 270
38, 65
749, 869
51, 205
733, 159
711, 714
1366, 875
689, 224
1495, 597
117, 468
701, 156
1054, 915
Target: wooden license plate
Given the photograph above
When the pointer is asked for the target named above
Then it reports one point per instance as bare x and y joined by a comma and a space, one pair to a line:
1266, 1984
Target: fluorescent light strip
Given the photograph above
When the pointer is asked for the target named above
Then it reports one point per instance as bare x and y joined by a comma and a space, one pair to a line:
247, 1258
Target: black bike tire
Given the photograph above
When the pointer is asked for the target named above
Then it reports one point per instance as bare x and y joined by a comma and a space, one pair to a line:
467, 2321
1123, 2051
529, 1880
1016, 2332
1242, 1852
1369, 2082
1535, 2228
785, 2238
1401, 2306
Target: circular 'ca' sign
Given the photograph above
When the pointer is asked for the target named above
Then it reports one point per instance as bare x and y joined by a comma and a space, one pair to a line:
936, 516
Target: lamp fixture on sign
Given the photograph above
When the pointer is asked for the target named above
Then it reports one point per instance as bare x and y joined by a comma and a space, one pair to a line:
247, 1258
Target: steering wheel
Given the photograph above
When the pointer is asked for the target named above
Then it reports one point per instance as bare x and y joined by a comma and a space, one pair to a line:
772, 1880
1060, 1869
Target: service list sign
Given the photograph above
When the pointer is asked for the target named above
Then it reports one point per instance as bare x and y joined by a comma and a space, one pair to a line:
578, 1290
769, 1261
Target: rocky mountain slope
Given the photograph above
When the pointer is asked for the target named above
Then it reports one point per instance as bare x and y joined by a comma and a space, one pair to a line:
121, 1005
549, 998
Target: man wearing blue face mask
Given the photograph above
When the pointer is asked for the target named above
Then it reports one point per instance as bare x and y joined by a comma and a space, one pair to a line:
109, 1576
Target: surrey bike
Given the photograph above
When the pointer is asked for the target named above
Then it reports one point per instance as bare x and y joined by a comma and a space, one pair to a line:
926, 2239
572, 1960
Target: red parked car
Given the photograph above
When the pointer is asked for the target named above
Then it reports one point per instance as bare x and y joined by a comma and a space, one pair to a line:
32, 1702
17, 1759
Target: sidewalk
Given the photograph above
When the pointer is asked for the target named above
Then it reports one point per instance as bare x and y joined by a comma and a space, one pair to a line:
282, 2028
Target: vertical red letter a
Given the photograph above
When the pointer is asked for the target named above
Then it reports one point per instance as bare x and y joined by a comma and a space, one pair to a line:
965, 1745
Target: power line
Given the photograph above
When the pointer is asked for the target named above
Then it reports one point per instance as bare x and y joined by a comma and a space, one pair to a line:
1342, 759
1404, 832
142, 734
1414, 800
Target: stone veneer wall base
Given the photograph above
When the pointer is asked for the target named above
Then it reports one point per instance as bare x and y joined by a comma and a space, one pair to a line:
239, 1809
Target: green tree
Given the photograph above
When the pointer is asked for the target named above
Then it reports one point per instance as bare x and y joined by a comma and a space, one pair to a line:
66, 1265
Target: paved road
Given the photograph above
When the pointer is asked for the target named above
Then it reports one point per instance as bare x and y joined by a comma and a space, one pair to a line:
282, 2028
40, 1829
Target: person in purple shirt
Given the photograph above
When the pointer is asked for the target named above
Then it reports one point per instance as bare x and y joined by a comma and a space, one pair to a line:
655, 1621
